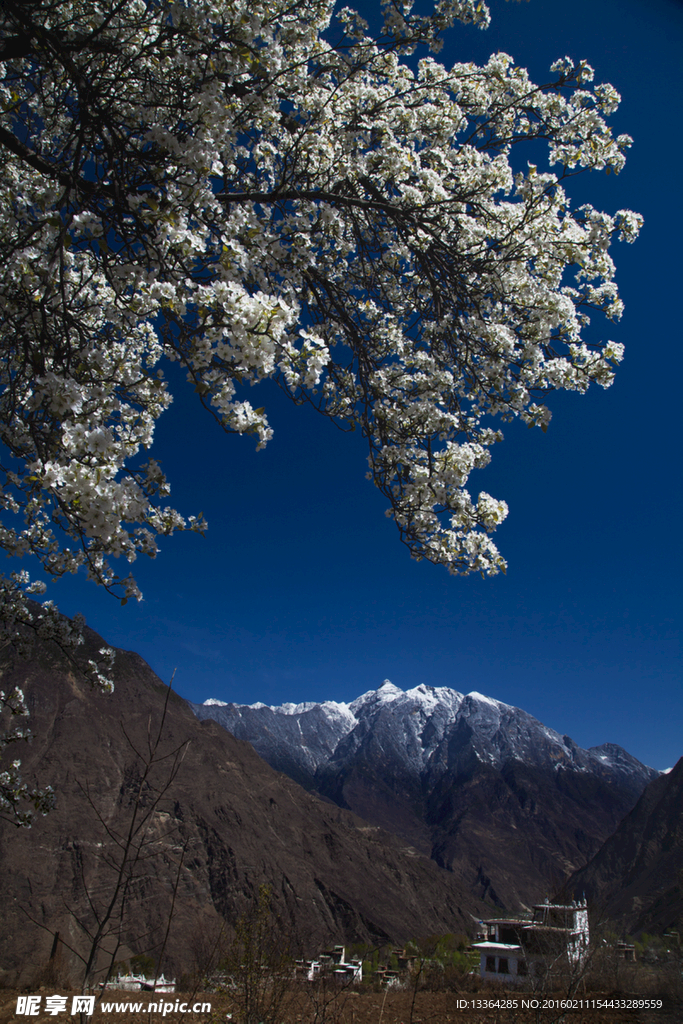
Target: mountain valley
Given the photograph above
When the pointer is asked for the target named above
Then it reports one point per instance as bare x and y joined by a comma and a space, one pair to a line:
482, 788
406, 814
205, 840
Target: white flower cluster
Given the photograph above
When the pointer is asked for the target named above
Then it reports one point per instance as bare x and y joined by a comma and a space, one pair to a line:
213, 182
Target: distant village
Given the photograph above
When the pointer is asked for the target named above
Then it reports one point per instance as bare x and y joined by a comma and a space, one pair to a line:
555, 937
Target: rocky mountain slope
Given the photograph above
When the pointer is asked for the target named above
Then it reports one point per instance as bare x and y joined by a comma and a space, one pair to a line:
227, 825
636, 879
483, 788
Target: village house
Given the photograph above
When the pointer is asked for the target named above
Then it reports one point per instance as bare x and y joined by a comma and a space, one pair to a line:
331, 963
140, 983
514, 948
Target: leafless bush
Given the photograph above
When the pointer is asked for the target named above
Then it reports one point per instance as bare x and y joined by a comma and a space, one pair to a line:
258, 965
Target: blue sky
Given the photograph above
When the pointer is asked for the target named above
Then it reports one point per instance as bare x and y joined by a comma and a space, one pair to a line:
301, 589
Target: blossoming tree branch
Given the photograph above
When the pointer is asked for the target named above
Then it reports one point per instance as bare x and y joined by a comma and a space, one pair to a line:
262, 190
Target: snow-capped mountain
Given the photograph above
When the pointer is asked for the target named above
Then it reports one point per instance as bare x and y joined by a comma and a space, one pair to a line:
480, 786
242, 824
428, 729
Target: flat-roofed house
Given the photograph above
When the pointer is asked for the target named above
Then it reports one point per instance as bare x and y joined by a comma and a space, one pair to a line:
556, 938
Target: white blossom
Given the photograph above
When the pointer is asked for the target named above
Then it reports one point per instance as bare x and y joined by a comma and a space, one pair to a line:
214, 183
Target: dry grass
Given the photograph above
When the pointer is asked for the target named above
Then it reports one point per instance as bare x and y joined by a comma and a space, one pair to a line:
362, 1007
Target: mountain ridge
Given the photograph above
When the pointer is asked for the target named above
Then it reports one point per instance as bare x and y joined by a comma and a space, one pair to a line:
336, 720
458, 776
228, 825
636, 878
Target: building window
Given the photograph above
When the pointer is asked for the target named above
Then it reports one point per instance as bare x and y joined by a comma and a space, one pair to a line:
522, 968
503, 965
491, 964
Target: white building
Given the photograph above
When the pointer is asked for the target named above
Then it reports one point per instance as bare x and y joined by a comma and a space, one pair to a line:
333, 962
140, 983
555, 939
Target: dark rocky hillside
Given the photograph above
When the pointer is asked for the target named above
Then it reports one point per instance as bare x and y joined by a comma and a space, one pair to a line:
636, 879
228, 824
484, 789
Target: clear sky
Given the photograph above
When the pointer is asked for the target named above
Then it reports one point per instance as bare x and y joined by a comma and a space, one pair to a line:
301, 589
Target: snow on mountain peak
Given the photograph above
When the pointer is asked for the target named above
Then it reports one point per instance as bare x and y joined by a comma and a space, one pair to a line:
429, 698
340, 713
293, 709
483, 699
429, 729
384, 694
389, 691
